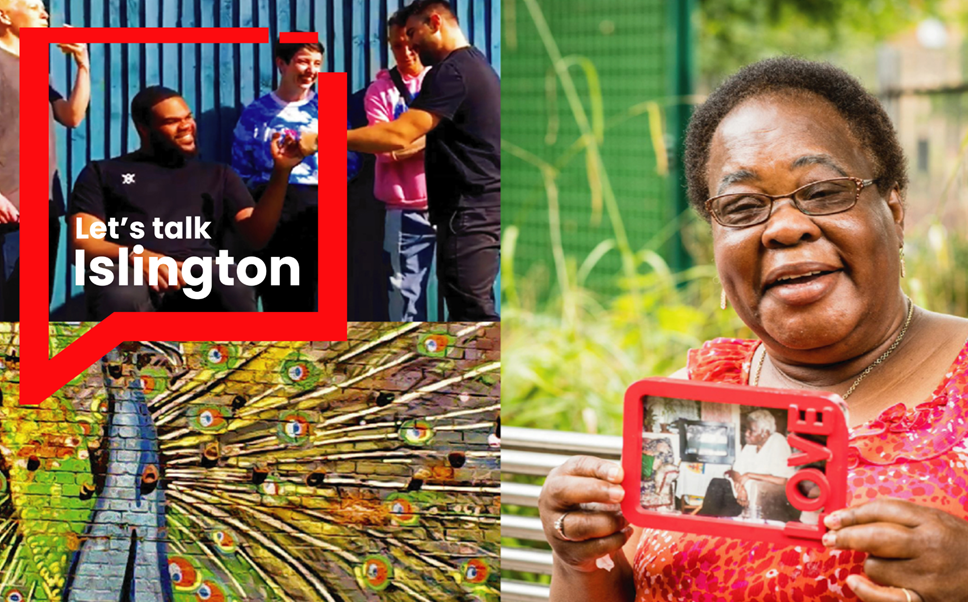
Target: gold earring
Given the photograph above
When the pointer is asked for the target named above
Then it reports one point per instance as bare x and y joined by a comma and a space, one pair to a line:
722, 299
902, 262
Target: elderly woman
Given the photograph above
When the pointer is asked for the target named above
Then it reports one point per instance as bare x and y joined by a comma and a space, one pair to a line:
763, 459
800, 174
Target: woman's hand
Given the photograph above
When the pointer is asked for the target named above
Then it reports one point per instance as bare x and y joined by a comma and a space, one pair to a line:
587, 491
910, 547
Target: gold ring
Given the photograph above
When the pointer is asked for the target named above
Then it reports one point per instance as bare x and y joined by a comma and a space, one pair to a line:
907, 594
559, 528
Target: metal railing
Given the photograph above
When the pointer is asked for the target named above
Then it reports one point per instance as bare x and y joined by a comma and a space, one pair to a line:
536, 452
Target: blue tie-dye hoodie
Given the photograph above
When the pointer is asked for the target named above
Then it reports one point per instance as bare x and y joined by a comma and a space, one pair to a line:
251, 156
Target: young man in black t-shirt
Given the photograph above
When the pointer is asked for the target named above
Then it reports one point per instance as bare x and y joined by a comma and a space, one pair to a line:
162, 180
459, 110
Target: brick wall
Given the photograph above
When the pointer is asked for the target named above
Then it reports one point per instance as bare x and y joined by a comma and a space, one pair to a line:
358, 470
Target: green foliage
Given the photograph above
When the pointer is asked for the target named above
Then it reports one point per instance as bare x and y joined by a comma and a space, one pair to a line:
567, 364
936, 254
733, 33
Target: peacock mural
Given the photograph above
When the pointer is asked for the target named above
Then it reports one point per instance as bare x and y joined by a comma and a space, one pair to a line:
366, 469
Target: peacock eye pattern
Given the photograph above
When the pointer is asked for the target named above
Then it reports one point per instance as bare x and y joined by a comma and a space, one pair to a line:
299, 372
260, 471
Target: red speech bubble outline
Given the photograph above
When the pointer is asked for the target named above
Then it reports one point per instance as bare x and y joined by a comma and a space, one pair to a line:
41, 375
298, 37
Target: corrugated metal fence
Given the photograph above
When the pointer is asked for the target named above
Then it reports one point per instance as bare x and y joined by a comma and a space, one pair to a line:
217, 80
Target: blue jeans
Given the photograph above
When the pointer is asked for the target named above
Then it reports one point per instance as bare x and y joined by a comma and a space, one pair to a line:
9, 256
409, 240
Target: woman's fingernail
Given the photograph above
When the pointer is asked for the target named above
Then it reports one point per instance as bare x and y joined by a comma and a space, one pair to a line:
627, 530
829, 539
613, 473
852, 581
616, 494
832, 521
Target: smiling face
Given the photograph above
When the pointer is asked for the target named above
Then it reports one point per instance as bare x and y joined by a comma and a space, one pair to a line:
407, 60
424, 33
173, 127
17, 14
804, 285
300, 72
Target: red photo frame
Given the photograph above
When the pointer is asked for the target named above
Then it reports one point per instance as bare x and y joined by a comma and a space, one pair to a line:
41, 375
810, 413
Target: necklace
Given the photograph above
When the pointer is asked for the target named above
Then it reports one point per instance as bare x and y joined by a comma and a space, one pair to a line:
868, 370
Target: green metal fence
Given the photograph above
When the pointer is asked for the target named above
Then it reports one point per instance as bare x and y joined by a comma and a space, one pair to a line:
591, 120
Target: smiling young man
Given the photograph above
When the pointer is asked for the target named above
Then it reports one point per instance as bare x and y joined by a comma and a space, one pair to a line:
15, 15
292, 108
163, 180
459, 111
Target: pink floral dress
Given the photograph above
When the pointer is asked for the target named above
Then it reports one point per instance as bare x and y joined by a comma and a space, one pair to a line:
919, 455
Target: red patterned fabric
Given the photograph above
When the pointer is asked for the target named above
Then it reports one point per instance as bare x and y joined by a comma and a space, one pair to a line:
919, 455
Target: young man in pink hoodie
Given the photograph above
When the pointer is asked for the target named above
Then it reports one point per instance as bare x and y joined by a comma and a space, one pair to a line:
409, 238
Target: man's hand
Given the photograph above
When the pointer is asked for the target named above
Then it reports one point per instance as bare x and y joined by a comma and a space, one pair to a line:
163, 285
286, 153
8, 213
411, 151
392, 136
79, 52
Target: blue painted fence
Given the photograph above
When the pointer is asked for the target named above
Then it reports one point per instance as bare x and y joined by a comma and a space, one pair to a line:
217, 80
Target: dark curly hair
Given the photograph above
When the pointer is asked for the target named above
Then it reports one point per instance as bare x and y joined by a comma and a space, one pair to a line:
866, 118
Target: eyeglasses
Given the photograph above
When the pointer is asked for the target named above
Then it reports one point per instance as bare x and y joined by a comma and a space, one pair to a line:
826, 197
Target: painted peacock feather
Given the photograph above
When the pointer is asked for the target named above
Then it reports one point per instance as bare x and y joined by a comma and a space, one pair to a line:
358, 470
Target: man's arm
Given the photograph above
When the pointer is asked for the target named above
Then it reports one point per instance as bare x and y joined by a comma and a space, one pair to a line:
394, 135
70, 113
257, 224
410, 151
380, 109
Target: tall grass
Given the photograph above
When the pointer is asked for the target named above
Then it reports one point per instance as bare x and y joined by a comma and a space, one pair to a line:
567, 364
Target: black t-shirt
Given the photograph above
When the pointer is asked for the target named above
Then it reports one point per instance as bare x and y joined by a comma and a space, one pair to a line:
135, 187
463, 154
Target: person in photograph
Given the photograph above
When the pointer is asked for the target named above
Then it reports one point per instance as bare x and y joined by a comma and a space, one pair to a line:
69, 112
459, 112
763, 458
292, 108
164, 180
799, 172
400, 182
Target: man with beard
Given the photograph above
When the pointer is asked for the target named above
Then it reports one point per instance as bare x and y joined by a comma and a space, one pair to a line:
163, 180
459, 111
293, 107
